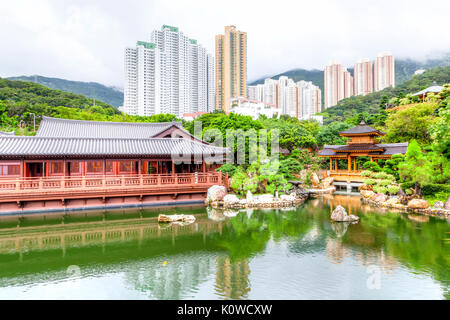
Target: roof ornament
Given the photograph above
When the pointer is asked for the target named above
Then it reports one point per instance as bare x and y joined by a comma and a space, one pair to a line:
363, 123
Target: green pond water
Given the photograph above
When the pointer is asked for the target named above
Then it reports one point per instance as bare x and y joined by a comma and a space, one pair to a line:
245, 254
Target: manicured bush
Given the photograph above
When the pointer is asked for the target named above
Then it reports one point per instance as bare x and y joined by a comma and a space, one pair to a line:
379, 189
372, 166
366, 173
393, 189
432, 189
370, 182
380, 175
384, 183
407, 185
227, 168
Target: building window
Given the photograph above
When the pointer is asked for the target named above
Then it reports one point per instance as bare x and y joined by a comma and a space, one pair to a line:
56, 168
74, 167
9, 170
128, 167
94, 167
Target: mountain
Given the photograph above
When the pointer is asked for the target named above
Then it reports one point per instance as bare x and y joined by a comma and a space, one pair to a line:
404, 70
370, 103
93, 90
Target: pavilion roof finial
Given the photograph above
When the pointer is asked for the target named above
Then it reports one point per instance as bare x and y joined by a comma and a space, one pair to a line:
363, 123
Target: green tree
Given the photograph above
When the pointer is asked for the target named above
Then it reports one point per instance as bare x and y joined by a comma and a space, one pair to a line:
416, 167
411, 123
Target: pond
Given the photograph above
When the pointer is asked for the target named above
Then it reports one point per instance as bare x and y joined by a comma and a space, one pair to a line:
247, 254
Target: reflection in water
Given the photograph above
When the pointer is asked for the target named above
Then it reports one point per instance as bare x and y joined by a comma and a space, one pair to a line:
227, 255
232, 280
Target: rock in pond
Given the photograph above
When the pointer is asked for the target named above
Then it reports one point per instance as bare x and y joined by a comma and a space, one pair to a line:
340, 215
418, 204
176, 218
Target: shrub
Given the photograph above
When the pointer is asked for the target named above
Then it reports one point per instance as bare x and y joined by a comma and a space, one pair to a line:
370, 182
366, 173
393, 189
372, 166
379, 189
227, 168
384, 183
407, 185
380, 175
432, 189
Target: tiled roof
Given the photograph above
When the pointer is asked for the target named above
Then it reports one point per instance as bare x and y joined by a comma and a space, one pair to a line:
362, 128
19, 146
53, 127
435, 89
389, 149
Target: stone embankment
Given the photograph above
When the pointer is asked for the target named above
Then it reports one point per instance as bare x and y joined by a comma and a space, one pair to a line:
413, 205
218, 197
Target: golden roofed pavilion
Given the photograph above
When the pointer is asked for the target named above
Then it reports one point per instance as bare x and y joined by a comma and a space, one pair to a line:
362, 142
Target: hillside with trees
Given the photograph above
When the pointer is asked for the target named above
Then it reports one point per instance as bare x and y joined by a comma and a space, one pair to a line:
19, 100
371, 103
404, 70
91, 90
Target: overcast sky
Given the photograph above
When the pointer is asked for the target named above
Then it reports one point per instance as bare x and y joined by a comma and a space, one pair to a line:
85, 39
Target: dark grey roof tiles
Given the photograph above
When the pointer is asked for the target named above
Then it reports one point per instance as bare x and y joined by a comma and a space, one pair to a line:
53, 127
18, 146
390, 149
362, 128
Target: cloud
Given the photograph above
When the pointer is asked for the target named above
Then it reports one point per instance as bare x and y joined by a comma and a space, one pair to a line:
85, 40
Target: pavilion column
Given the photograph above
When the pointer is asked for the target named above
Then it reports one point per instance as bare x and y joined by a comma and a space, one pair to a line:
173, 168
331, 164
355, 166
336, 164
349, 164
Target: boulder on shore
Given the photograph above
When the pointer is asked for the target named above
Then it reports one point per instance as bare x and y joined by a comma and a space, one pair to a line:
438, 205
315, 180
379, 197
327, 182
447, 204
367, 194
418, 204
216, 193
231, 200
340, 215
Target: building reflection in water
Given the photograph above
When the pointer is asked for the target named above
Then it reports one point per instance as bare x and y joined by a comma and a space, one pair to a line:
232, 278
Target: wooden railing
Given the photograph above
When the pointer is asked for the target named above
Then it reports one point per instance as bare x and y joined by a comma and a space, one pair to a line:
95, 183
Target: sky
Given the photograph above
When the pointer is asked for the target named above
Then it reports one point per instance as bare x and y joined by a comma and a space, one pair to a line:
84, 40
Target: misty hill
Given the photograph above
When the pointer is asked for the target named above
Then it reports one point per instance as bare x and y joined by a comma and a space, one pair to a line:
404, 70
370, 103
91, 90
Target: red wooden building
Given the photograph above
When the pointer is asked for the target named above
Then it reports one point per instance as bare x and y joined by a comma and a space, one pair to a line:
67, 156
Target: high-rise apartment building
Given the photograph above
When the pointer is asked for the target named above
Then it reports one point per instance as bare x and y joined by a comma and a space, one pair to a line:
363, 77
309, 99
231, 67
170, 74
338, 84
384, 71
255, 92
300, 100
271, 92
